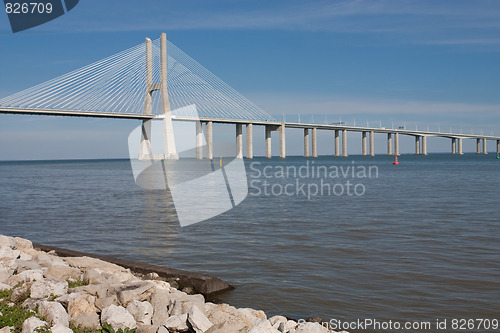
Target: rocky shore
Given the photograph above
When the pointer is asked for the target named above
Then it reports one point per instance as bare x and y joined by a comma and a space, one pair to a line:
42, 292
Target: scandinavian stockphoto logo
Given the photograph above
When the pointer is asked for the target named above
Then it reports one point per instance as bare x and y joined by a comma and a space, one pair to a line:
28, 14
200, 188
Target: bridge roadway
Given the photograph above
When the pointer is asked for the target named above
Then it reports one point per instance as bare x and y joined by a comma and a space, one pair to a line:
420, 136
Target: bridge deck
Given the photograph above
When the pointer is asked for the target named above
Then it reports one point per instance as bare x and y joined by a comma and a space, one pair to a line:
243, 121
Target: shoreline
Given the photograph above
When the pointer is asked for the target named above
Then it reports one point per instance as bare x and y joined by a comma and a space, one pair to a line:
204, 284
65, 291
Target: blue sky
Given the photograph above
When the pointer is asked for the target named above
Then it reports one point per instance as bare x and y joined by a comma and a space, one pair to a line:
432, 64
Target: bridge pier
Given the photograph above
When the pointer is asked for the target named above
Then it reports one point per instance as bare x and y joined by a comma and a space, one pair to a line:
478, 146
344, 143
417, 145
389, 143
363, 143
168, 128
424, 145
498, 146
145, 147
268, 141
453, 146
199, 141
485, 150
460, 147
337, 143
314, 143
396, 144
249, 135
282, 141
239, 141
209, 140
306, 142
372, 143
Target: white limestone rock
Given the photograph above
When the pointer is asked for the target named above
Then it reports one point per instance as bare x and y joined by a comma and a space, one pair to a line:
150, 329
102, 303
264, 326
6, 252
54, 312
46, 260
63, 272
4, 286
160, 299
32, 323
277, 320
287, 326
142, 311
93, 276
7, 329
229, 316
161, 329
22, 243
86, 319
61, 329
5, 273
199, 322
118, 317
177, 323
181, 302
25, 265
25, 276
8, 242
140, 290
80, 303
253, 316
48, 287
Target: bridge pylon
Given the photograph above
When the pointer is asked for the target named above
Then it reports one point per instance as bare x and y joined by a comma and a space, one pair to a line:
145, 152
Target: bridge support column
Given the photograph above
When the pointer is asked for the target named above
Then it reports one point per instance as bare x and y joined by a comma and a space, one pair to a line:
209, 140
306, 142
424, 145
168, 128
389, 143
268, 141
372, 143
145, 147
344, 143
478, 146
417, 145
337, 143
363, 143
460, 149
485, 150
498, 146
314, 143
282, 141
239, 141
199, 141
249, 141
453, 146
396, 144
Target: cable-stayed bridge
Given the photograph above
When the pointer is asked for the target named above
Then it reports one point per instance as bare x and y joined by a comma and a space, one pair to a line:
149, 80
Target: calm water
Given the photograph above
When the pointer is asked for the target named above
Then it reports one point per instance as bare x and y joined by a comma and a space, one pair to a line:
422, 243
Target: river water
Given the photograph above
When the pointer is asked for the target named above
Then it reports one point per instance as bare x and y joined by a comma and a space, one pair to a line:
417, 241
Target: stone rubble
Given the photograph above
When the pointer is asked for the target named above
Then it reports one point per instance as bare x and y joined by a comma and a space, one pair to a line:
116, 296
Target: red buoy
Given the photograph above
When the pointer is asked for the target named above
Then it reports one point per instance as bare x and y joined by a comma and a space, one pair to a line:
396, 161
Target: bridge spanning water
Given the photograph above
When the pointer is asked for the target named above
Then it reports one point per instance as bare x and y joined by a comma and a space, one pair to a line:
145, 83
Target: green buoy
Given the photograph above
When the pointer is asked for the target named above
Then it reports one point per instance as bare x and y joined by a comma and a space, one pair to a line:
498, 156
